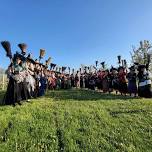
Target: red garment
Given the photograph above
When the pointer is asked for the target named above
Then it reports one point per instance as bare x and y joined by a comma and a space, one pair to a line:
122, 77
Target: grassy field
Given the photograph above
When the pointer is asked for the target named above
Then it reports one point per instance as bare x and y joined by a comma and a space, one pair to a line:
77, 120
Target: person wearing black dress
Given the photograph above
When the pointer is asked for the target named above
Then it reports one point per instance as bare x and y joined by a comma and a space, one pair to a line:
144, 85
9, 96
132, 81
72, 80
114, 83
81, 81
122, 81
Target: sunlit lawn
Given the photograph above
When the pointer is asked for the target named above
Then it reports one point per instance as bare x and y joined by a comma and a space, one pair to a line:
77, 120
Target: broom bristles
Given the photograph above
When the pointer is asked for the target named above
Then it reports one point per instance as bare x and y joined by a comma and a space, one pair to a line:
63, 69
119, 59
42, 53
96, 63
22, 46
49, 60
103, 64
7, 46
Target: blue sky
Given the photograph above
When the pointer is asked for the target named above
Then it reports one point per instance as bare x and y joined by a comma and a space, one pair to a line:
75, 32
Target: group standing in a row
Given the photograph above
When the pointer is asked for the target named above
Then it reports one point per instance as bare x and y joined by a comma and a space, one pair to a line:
28, 78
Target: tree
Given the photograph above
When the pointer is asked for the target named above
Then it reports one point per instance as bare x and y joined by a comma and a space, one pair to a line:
142, 54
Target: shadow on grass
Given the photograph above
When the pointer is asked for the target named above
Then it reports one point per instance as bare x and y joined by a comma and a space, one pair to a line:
134, 111
79, 95
83, 95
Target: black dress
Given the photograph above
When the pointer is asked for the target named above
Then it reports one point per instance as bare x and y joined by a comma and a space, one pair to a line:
81, 81
9, 96
144, 86
132, 86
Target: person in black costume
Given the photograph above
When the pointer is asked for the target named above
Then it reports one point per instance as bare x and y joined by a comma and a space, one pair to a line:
20, 87
17, 87
72, 81
9, 96
114, 82
132, 81
144, 85
81, 81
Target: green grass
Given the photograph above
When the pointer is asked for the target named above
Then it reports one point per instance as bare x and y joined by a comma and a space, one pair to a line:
77, 120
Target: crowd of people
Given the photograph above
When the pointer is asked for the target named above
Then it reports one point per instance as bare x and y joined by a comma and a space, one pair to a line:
29, 78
